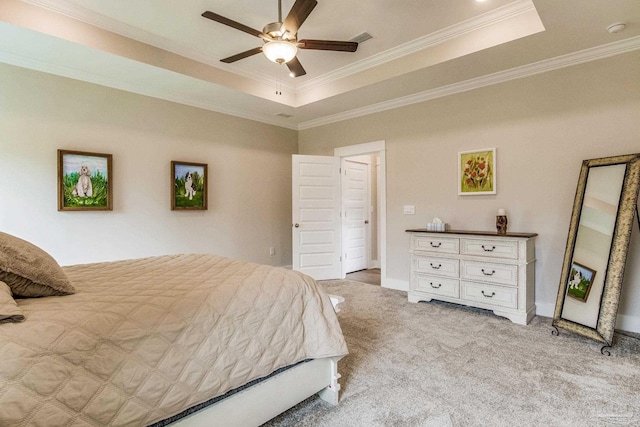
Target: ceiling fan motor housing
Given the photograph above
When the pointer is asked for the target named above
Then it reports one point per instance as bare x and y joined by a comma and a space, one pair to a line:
274, 30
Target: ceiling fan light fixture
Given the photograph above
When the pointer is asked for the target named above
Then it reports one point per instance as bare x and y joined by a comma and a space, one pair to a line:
279, 51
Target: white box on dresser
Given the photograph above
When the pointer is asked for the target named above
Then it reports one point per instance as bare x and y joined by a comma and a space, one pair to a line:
475, 268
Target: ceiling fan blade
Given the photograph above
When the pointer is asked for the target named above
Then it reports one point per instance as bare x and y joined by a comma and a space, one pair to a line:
297, 15
296, 67
233, 24
328, 45
242, 55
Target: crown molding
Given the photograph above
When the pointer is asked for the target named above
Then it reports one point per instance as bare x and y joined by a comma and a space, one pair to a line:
596, 226
72, 73
441, 36
575, 58
568, 60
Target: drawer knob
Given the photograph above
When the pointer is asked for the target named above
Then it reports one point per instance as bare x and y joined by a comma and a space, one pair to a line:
488, 249
488, 274
488, 296
434, 245
435, 267
434, 286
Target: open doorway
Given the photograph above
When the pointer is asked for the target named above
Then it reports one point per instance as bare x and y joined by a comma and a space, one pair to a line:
364, 206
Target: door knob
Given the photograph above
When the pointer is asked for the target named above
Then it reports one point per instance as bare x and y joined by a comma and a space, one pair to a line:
366, 221
297, 225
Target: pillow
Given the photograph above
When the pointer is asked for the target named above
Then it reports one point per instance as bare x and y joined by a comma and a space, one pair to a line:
9, 310
29, 271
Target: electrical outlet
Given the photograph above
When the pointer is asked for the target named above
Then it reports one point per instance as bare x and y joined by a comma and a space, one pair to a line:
272, 251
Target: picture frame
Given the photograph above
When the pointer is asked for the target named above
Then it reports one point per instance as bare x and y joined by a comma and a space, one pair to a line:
580, 281
85, 181
477, 172
189, 186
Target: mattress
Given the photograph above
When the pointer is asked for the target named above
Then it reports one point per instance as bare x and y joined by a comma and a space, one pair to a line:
142, 340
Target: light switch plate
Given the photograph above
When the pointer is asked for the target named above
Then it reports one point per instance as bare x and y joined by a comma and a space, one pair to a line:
409, 210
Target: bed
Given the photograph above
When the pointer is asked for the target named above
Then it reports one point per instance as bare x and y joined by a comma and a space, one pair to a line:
183, 340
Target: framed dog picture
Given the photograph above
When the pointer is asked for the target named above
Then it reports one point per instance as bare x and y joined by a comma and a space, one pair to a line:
580, 281
84, 181
477, 172
189, 182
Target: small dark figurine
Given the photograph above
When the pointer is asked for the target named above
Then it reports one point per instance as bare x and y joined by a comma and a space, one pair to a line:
501, 224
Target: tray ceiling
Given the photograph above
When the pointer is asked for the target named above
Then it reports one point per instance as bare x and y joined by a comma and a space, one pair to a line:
420, 49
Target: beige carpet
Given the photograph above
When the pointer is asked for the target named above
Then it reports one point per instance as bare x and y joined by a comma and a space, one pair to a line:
436, 364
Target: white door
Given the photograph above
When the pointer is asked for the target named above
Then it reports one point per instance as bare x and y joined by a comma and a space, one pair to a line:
316, 216
355, 221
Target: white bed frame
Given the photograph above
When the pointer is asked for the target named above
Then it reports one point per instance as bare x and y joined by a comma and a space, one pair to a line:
261, 402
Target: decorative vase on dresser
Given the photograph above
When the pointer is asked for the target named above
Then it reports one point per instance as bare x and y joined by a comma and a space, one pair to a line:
475, 268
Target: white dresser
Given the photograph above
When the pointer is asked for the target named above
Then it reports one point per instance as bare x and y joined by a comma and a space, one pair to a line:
480, 269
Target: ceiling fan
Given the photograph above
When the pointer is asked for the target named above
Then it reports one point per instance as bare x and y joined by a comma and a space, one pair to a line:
280, 38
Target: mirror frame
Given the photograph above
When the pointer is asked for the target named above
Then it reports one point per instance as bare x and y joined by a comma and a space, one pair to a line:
614, 275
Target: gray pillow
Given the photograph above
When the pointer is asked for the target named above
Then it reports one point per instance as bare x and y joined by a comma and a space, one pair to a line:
29, 271
9, 310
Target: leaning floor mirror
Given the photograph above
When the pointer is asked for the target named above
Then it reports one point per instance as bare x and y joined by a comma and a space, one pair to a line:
604, 211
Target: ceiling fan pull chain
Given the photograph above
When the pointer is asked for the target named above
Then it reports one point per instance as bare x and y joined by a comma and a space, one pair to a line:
279, 81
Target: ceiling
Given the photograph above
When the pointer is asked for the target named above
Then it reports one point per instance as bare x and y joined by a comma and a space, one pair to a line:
419, 50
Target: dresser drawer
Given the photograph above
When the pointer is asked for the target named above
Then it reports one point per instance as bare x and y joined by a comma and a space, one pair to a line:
438, 266
490, 294
445, 245
490, 272
437, 285
490, 248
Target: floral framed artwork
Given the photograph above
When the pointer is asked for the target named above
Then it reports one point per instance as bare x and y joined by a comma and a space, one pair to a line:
580, 281
477, 172
189, 186
84, 181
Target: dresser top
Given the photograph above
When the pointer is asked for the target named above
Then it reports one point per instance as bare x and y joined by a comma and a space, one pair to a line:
473, 233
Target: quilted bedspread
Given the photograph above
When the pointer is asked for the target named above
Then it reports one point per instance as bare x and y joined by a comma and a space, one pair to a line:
142, 340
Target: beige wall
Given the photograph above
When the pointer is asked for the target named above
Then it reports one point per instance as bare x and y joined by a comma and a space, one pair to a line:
542, 126
249, 173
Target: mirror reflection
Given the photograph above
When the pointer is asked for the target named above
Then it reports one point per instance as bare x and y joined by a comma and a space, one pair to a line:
593, 244
604, 210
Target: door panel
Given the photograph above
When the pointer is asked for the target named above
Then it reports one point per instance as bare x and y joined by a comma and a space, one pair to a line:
355, 204
316, 216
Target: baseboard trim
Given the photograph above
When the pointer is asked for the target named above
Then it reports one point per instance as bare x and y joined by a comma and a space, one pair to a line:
400, 285
624, 322
628, 323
